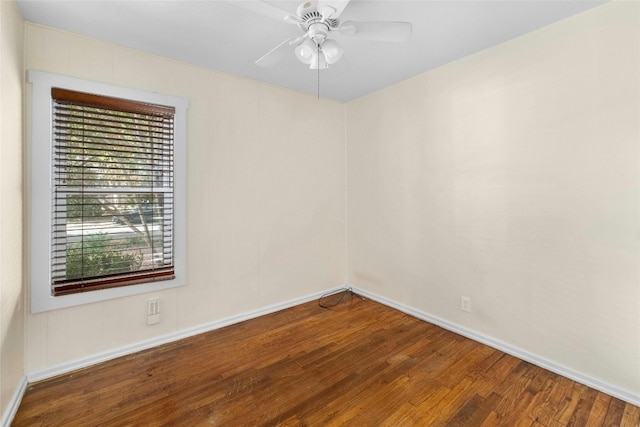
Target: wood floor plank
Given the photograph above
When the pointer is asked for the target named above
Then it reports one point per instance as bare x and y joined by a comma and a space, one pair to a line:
583, 408
475, 411
529, 415
545, 413
615, 413
631, 416
599, 410
492, 420
358, 363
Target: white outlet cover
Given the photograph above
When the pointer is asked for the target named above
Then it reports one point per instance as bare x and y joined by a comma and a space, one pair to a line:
152, 320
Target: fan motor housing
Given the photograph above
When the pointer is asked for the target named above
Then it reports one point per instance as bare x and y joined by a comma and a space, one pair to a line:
310, 16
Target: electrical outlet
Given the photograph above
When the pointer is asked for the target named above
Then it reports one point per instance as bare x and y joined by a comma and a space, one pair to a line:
465, 304
153, 311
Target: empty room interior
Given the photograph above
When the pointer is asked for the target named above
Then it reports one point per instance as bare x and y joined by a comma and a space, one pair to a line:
429, 217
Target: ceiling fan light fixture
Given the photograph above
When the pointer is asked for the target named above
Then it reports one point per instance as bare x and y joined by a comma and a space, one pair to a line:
332, 51
305, 51
318, 62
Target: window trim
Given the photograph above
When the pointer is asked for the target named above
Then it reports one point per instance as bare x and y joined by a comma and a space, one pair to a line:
39, 182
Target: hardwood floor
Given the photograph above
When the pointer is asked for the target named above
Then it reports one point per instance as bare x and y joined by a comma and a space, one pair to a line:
358, 363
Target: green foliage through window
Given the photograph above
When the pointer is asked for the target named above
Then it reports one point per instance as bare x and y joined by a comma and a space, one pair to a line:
97, 255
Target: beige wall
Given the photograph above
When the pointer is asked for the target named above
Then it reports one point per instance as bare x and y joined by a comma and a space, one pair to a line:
511, 177
12, 315
265, 199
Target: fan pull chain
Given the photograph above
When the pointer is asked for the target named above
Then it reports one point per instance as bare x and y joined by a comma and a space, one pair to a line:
318, 54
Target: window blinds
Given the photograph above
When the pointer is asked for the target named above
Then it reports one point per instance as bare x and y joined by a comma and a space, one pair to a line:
112, 213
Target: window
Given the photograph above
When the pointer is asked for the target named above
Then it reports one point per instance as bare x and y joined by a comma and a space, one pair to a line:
107, 192
112, 192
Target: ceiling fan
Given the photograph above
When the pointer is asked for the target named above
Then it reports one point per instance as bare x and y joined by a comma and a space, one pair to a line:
317, 19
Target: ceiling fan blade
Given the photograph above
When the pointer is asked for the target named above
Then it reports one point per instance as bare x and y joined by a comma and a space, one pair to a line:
377, 31
331, 9
265, 9
276, 54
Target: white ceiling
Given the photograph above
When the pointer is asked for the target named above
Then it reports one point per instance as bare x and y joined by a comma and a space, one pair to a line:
224, 36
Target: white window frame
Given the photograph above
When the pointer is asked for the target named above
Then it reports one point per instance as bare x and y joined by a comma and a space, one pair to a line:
40, 187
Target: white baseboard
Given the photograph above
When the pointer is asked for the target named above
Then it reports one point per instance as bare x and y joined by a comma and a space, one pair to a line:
14, 403
42, 374
534, 359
